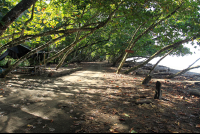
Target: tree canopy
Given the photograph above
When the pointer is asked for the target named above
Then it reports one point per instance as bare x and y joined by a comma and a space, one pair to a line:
87, 29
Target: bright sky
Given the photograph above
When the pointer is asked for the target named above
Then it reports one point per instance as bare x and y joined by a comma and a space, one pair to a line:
180, 63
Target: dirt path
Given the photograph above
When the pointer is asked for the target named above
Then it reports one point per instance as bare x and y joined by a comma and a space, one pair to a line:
94, 99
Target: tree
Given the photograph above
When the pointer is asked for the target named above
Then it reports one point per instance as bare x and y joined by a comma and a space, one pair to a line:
184, 70
54, 27
154, 24
149, 76
13, 14
176, 44
66, 32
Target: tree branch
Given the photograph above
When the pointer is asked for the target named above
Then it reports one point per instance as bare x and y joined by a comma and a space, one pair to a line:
25, 24
14, 13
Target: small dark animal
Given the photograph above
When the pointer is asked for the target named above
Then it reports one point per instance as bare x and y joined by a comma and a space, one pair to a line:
158, 92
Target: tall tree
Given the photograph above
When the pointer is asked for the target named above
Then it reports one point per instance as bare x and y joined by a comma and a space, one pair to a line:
13, 14
54, 26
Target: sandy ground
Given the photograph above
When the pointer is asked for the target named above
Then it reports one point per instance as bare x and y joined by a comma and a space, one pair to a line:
94, 99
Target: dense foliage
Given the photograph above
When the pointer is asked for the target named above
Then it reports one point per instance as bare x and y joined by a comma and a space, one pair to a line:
87, 30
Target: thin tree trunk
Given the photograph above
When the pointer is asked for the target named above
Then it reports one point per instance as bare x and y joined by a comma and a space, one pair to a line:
25, 24
68, 52
184, 70
143, 33
129, 48
158, 52
8, 70
160, 60
67, 48
194, 63
118, 59
148, 77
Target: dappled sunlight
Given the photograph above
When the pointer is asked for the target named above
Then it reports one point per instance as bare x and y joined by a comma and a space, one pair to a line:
169, 104
36, 112
13, 123
144, 90
66, 94
117, 103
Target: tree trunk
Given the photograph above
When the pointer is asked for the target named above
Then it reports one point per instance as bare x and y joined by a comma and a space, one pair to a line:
63, 58
182, 72
122, 63
158, 52
14, 14
118, 59
193, 63
69, 50
143, 33
148, 77
8, 70
131, 45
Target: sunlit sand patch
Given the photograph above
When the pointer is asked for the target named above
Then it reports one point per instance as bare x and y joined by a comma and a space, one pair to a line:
169, 104
14, 124
59, 83
144, 89
67, 94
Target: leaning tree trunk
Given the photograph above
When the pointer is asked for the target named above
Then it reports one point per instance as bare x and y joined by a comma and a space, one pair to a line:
148, 77
184, 70
158, 52
66, 49
131, 45
117, 60
9, 69
143, 33
69, 51
63, 58
77, 41
14, 13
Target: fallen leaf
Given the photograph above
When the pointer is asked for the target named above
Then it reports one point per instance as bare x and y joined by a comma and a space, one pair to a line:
126, 114
29, 125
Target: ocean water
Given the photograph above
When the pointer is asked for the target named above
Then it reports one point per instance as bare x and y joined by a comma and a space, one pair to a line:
180, 62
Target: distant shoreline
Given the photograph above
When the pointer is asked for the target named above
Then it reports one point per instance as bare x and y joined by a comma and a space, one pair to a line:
174, 71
